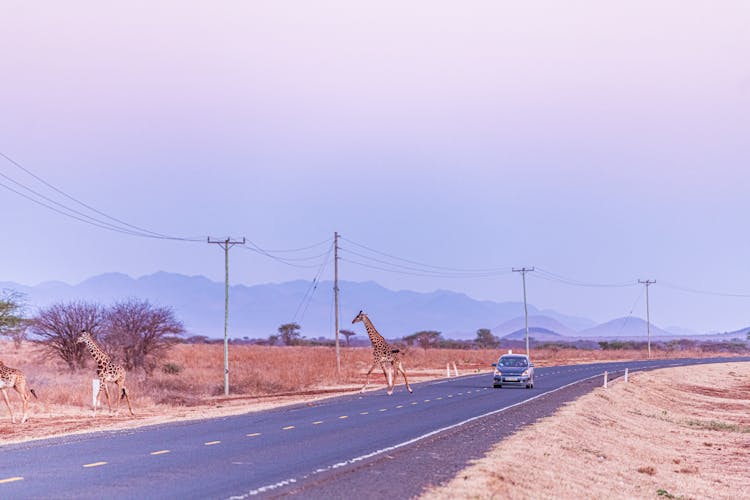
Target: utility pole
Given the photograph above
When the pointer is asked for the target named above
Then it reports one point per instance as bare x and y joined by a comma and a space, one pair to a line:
523, 272
226, 244
336, 298
648, 283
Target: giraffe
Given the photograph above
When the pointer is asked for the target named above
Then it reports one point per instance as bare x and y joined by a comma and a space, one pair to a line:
107, 371
10, 378
382, 354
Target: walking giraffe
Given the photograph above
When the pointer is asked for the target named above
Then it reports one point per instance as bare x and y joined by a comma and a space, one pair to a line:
10, 378
107, 371
382, 354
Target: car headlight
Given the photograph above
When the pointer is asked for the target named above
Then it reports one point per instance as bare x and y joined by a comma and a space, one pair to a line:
525, 373
498, 372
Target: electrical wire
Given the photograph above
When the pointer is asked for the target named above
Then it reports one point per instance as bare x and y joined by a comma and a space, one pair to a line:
702, 292
550, 276
66, 210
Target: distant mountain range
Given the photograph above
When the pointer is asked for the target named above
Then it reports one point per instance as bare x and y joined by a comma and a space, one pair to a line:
257, 311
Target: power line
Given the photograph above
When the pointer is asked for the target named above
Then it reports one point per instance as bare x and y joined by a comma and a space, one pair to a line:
702, 292
550, 276
66, 210
422, 265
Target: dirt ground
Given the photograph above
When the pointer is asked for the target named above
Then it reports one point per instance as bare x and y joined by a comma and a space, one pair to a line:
672, 433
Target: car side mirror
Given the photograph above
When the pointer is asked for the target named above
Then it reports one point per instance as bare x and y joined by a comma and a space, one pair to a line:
531, 365
494, 364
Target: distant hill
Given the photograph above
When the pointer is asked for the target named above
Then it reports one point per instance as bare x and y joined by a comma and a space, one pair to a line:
535, 322
537, 333
624, 327
258, 310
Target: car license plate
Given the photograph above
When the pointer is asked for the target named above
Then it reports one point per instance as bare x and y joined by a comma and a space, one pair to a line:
511, 379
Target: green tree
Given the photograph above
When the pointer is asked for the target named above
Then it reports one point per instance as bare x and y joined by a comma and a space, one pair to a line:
12, 323
289, 333
485, 339
424, 339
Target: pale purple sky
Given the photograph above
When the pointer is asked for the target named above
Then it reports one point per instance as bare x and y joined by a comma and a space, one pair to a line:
603, 142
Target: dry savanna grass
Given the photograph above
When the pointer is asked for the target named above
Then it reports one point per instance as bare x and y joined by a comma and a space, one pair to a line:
189, 381
673, 433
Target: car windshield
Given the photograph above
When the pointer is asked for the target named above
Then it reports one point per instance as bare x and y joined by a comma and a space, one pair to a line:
513, 362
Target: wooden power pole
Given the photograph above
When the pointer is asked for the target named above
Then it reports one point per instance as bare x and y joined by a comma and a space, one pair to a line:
648, 283
336, 299
226, 244
523, 272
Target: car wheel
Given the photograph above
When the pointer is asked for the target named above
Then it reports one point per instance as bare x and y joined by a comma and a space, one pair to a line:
497, 386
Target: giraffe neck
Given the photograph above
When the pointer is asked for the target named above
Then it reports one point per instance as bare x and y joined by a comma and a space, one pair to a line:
99, 356
375, 337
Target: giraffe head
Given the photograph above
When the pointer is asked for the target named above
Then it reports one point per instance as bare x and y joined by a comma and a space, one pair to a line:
360, 317
84, 336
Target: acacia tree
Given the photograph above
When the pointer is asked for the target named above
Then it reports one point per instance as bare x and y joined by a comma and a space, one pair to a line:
58, 327
485, 339
289, 333
139, 331
12, 323
347, 334
425, 338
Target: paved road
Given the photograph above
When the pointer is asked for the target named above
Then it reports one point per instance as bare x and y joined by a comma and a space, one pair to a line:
330, 449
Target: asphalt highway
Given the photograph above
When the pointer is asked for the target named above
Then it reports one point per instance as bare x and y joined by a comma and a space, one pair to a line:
313, 450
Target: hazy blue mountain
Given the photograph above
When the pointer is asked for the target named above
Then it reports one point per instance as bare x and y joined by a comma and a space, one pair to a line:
258, 310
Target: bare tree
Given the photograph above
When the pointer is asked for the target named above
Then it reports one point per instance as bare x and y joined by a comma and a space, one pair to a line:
58, 327
139, 331
347, 334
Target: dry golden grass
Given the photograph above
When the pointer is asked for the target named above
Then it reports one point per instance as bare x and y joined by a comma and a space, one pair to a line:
673, 433
189, 381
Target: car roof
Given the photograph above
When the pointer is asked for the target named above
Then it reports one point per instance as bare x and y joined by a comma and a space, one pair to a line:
524, 356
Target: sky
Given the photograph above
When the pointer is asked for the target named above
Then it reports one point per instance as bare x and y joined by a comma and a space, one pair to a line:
600, 143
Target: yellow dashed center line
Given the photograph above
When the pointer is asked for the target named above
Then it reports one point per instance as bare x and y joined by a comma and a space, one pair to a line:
438, 399
318, 422
415, 403
11, 480
253, 434
383, 409
342, 417
160, 452
426, 400
210, 443
400, 406
364, 413
95, 464
288, 427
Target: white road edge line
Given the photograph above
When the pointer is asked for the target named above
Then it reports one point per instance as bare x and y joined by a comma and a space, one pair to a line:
269, 487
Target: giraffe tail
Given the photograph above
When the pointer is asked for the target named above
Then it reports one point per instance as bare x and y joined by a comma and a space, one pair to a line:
122, 396
32, 391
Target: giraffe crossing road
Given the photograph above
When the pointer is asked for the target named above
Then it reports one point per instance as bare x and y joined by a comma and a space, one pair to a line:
272, 451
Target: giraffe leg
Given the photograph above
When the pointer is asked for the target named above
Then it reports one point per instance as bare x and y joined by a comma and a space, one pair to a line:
367, 377
390, 378
124, 394
20, 388
403, 372
5, 396
106, 393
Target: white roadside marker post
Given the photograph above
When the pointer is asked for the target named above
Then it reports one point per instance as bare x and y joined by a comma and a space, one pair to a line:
94, 391
605, 379
626, 375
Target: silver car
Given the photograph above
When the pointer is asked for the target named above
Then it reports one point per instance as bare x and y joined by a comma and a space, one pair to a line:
513, 369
